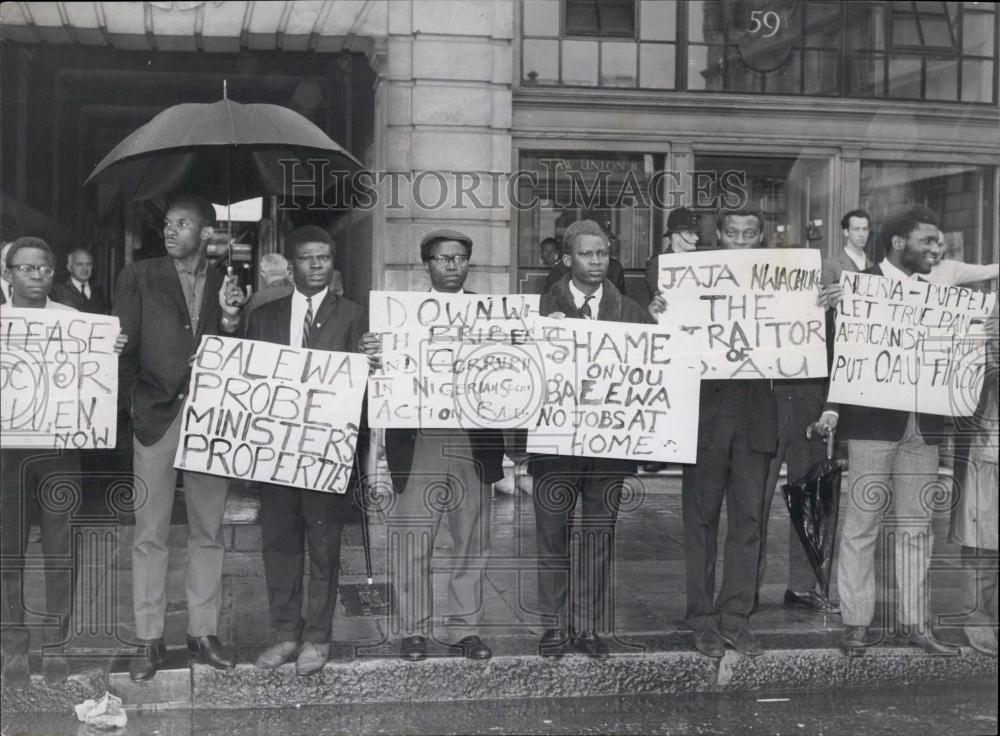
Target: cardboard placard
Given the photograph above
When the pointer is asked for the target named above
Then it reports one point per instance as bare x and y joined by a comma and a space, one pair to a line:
747, 313
615, 390
58, 379
272, 413
454, 361
909, 345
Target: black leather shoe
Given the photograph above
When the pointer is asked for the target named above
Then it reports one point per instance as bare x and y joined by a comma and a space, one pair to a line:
473, 648
413, 648
591, 644
923, 637
743, 641
209, 650
811, 601
147, 660
709, 642
855, 640
553, 643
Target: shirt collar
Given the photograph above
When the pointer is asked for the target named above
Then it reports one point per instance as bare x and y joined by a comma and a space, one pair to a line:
860, 261
579, 296
181, 268
888, 269
317, 298
78, 284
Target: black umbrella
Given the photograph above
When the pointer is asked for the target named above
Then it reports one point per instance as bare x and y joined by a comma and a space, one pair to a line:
813, 507
225, 151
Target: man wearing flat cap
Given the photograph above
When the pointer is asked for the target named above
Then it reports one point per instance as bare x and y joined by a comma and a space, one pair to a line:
441, 475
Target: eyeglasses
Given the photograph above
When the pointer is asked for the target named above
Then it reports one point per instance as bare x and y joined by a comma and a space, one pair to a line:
449, 260
28, 269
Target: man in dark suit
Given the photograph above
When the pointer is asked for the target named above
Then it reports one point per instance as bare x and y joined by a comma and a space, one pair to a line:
856, 226
441, 474
584, 292
294, 519
737, 434
895, 450
165, 306
78, 291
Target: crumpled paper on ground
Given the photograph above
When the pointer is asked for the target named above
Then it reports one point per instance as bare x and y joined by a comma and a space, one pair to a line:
104, 713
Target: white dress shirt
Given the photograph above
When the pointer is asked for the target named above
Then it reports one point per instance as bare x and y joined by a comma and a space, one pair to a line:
81, 286
299, 307
579, 298
893, 272
858, 258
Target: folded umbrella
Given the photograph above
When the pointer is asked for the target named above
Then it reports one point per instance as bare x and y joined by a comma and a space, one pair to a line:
225, 151
813, 508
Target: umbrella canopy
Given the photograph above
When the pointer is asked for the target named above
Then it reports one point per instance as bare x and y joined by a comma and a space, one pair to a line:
225, 151
813, 509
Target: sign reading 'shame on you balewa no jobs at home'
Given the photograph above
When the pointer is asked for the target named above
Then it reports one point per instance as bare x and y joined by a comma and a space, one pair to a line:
615, 390
747, 313
272, 413
910, 345
454, 361
58, 379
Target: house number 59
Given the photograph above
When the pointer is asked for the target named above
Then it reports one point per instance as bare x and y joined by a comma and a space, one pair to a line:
761, 21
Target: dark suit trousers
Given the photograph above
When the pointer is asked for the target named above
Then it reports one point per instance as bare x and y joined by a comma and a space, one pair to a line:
291, 521
800, 454
726, 470
53, 480
576, 597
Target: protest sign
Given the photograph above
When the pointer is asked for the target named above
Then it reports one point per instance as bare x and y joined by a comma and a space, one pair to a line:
747, 313
272, 413
454, 361
58, 379
615, 390
909, 345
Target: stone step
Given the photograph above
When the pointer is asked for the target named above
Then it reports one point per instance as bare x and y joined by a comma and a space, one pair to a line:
641, 665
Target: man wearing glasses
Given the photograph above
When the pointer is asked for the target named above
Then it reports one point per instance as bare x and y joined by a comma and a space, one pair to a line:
441, 475
577, 621
165, 306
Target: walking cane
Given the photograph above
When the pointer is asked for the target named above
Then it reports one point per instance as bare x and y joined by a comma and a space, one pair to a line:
369, 484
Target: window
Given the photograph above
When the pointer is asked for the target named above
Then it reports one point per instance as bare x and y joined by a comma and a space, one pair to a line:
905, 49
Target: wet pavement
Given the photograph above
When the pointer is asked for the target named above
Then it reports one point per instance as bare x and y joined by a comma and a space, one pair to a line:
911, 711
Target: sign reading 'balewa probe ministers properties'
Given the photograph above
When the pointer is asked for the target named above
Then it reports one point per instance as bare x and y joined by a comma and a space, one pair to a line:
273, 413
455, 361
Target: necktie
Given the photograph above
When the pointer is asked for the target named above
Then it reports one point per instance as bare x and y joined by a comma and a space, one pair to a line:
307, 322
585, 309
83, 290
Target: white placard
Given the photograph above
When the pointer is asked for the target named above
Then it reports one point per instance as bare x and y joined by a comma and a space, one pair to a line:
58, 379
454, 361
747, 313
615, 390
272, 413
909, 345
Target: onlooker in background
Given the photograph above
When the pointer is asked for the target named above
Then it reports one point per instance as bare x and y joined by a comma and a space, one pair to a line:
856, 226
952, 272
681, 236
974, 511
276, 281
78, 291
549, 250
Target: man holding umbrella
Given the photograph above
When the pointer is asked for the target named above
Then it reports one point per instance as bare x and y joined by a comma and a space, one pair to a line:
293, 519
165, 306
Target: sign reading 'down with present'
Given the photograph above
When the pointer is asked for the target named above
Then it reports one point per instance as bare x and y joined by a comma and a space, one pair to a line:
747, 313
58, 379
617, 391
454, 361
272, 413
909, 345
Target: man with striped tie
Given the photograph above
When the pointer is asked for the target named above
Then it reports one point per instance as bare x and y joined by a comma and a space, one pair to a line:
79, 291
294, 519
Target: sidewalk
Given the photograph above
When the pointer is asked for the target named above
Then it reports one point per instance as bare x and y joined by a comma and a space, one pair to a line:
652, 648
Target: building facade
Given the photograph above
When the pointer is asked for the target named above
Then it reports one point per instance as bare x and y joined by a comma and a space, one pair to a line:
511, 118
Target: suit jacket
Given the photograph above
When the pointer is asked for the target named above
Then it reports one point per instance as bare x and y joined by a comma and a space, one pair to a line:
614, 307
66, 293
153, 370
869, 423
487, 452
835, 266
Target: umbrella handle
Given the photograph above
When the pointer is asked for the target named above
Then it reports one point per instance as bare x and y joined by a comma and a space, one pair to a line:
831, 440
